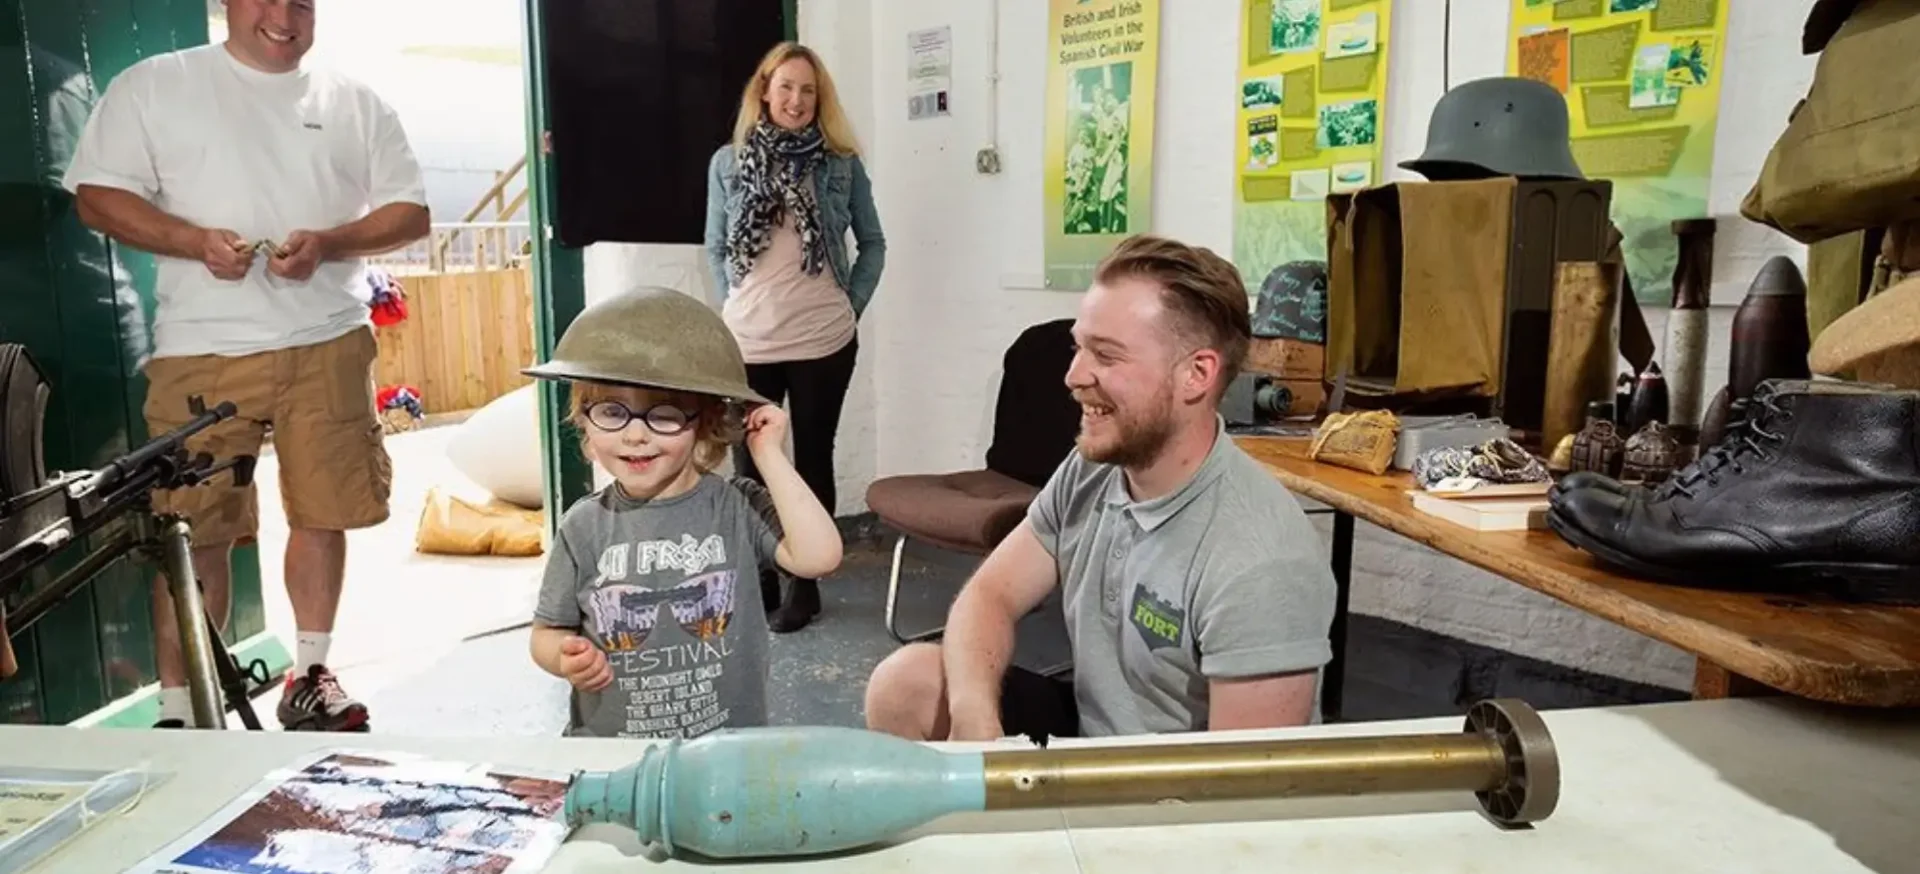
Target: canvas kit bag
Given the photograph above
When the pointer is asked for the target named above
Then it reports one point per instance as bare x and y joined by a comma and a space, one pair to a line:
1413, 303
1850, 156
1446, 290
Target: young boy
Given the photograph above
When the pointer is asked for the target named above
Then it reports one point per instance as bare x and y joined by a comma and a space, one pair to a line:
650, 606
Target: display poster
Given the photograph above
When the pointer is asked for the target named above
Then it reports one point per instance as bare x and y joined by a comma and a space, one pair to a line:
1103, 61
349, 812
929, 72
1642, 80
1313, 96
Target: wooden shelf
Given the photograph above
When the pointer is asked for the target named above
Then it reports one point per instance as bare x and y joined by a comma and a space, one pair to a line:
1810, 647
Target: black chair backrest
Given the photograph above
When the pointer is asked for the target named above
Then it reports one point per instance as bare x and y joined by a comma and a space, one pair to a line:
1035, 419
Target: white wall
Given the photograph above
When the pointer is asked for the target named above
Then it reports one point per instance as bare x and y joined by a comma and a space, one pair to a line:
965, 250
466, 119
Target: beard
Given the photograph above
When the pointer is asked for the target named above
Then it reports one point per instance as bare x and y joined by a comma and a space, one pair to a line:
1134, 438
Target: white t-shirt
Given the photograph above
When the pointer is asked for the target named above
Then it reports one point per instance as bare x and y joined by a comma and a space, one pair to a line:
222, 145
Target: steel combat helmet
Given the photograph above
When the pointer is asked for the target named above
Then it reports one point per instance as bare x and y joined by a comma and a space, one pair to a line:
652, 338
1500, 126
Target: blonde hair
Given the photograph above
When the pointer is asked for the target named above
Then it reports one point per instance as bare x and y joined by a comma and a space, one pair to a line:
718, 427
827, 112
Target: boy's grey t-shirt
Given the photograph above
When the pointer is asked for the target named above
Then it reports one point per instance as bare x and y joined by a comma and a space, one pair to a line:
670, 590
1223, 578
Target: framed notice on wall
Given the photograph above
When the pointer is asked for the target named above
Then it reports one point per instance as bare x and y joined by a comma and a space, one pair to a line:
1642, 80
1103, 59
1313, 94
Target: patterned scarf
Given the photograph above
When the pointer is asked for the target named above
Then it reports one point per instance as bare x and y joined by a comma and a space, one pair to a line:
774, 169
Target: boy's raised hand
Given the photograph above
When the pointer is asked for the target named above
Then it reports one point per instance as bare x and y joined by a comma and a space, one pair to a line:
584, 665
766, 429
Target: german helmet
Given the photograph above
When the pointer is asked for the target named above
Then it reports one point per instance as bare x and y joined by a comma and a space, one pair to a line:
652, 338
1500, 126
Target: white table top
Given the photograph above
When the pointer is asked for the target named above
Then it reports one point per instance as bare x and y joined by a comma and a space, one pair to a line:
1752, 786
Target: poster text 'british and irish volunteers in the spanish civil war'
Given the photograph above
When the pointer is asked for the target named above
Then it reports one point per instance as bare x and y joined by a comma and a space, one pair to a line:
1102, 63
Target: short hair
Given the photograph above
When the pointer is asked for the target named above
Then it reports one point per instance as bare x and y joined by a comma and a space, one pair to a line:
718, 427
1201, 291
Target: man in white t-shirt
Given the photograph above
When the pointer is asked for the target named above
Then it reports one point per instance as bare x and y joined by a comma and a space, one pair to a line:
259, 186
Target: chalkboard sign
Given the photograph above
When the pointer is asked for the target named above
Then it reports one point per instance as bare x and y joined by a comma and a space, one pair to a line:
1293, 303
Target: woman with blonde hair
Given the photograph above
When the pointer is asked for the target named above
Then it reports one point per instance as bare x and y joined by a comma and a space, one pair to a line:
781, 198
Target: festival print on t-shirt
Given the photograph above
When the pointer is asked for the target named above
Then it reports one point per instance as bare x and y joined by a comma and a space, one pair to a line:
671, 683
625, 615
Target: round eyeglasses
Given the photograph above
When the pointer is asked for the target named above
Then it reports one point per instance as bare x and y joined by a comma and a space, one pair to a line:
663, 419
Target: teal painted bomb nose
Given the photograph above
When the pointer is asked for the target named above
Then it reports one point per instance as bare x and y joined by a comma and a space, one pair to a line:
787, 791
802, 791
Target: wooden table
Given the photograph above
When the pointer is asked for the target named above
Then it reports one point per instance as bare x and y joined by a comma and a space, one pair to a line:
1808, 647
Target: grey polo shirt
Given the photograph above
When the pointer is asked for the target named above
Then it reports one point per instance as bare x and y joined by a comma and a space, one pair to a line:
1223, 578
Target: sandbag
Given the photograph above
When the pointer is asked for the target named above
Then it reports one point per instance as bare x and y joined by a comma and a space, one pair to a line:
499, 448
450, 525
1850, 156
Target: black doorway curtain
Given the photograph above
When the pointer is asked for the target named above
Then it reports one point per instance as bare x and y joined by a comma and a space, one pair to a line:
641, 92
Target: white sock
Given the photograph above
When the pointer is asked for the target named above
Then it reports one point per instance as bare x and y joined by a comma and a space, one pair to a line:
310, 648
175, 703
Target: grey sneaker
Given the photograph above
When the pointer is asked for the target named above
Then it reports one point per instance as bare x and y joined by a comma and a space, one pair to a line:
315, 702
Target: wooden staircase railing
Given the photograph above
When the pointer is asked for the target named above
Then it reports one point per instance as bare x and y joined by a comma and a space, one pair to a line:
504, 207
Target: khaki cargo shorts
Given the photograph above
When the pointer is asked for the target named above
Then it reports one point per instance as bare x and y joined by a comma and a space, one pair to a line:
318, 400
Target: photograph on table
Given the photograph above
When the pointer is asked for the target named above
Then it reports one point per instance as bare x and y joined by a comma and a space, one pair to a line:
349, 812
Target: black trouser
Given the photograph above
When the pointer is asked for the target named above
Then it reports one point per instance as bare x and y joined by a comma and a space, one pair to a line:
814, 392
1037, 706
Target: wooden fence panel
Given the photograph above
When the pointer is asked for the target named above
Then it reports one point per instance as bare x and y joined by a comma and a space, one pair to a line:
466, 336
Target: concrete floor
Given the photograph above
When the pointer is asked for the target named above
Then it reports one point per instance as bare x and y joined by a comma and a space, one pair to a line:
437, 645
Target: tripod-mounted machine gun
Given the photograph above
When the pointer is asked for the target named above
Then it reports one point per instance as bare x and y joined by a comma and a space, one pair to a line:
57, 515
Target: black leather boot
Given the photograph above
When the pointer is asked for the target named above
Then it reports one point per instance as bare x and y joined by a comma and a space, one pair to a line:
1818, 484
798, 608
1587, 479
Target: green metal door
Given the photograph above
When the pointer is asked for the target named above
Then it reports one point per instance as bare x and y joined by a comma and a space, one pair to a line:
83, 306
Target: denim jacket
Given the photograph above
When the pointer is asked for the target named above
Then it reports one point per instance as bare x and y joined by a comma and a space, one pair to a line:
846, 201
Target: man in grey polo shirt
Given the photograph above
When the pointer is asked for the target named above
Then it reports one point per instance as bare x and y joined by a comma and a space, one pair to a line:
1197, 594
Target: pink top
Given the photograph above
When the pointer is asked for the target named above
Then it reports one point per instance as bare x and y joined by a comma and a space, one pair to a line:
779, 313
